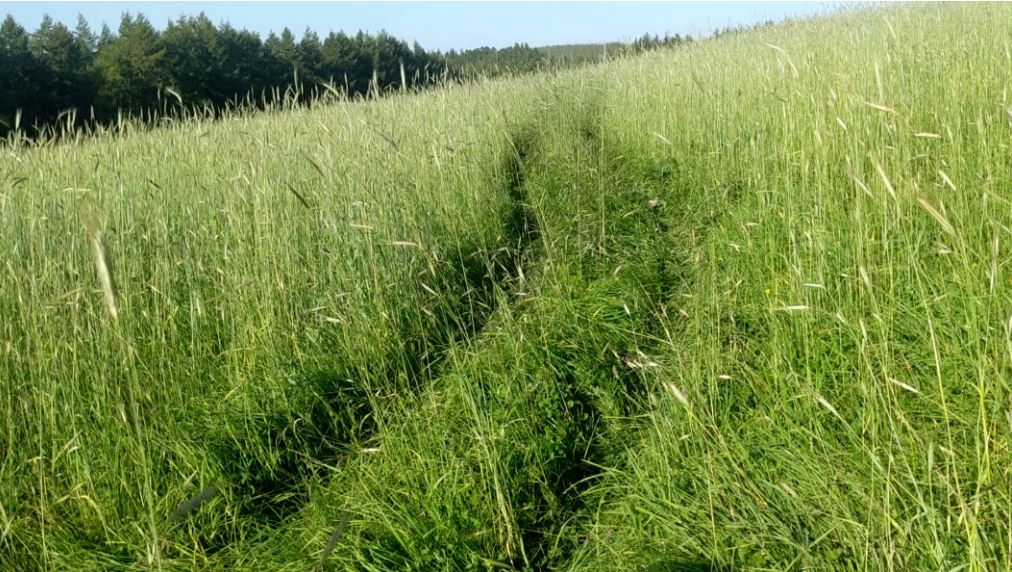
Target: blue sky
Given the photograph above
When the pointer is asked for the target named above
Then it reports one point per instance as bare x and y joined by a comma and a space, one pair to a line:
442, 25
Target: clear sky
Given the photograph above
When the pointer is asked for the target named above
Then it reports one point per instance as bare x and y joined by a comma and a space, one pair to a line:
442, 25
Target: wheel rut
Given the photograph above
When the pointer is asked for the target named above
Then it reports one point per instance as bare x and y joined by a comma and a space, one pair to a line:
337, 413
582, 371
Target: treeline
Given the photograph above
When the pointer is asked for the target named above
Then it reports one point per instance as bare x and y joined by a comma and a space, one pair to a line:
523, 58
79, 77
191, 62
740, 29
596, 52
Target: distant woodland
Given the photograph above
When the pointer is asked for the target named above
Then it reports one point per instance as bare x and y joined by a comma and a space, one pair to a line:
80, 77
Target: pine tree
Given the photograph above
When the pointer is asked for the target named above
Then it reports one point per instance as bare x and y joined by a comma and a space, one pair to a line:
131, 67
18, 70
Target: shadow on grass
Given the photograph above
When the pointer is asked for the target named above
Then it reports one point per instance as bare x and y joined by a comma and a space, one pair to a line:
677, 565
279, 450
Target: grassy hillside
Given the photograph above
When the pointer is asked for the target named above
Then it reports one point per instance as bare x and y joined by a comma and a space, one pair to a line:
742, 305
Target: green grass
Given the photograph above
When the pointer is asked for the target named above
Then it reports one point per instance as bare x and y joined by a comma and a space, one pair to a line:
739, 305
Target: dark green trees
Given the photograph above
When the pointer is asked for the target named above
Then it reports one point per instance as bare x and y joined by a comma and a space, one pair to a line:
132, 68
19, 70
58, 74
192, 57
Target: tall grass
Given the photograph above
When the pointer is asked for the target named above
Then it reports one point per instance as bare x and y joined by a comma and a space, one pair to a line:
262, 264
742, 304
842, 351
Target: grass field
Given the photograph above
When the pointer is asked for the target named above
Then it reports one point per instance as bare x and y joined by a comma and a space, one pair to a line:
744, 304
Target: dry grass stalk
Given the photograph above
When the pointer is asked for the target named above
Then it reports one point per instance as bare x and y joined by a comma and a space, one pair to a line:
93, 225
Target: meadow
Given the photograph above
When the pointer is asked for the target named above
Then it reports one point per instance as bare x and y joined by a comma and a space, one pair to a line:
739, 305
